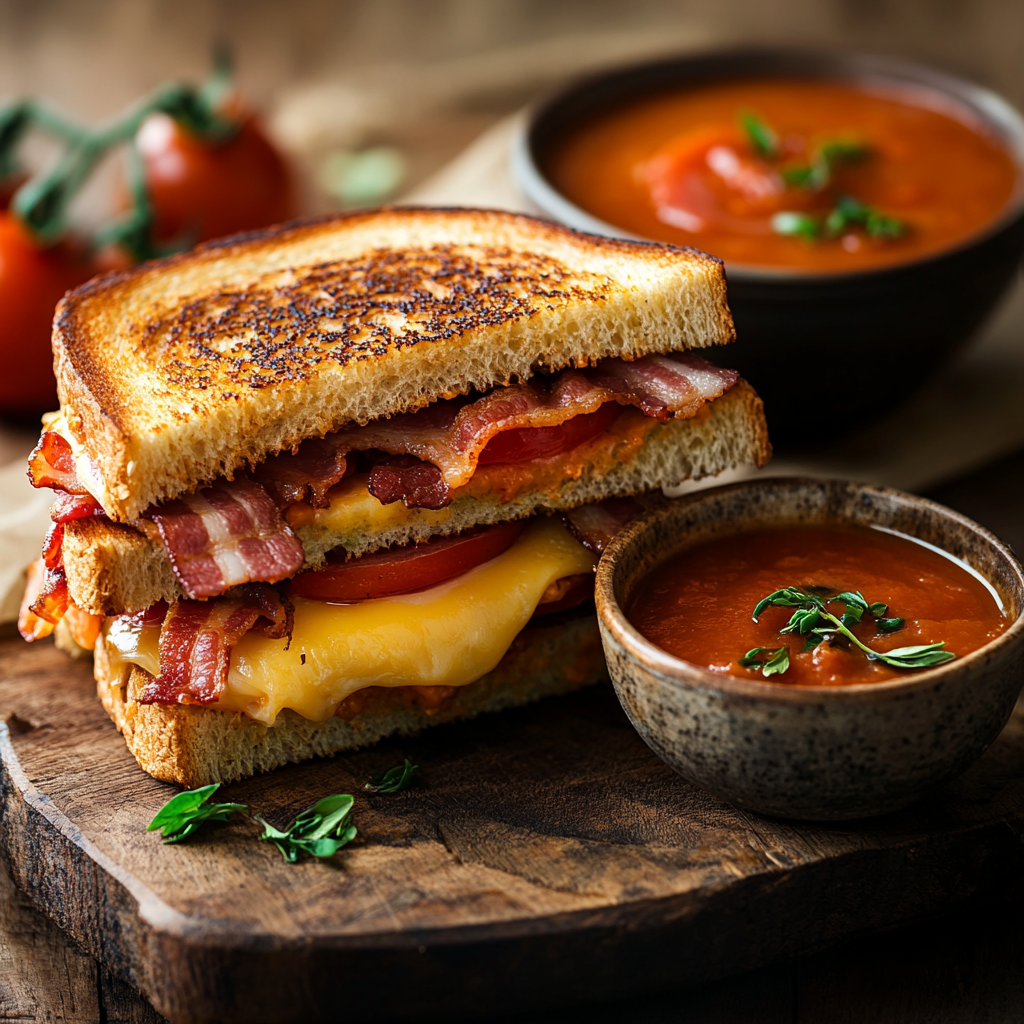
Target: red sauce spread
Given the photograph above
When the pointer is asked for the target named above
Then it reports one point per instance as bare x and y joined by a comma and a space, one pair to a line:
698, 604
682, 166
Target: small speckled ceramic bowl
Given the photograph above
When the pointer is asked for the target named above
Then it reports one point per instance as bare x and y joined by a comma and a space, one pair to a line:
825, 753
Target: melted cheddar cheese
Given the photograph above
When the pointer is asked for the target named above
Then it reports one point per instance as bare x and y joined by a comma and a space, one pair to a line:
448, 635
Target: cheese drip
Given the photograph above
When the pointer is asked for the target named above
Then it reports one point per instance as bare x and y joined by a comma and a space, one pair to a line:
449, 635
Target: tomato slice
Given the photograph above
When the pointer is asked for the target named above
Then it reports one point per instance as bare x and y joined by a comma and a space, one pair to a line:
403, 570
542, 442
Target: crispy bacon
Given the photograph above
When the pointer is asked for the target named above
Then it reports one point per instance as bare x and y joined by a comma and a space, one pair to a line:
594, 526
451, 435
68, 507
45, 600
225, 535
196, 639
306, 474
405, 478
52, 464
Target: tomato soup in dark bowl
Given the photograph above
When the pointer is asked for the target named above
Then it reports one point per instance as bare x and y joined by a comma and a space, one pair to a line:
813, 649
869, 212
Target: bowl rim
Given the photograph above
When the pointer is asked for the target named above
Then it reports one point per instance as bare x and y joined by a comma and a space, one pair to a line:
676, 671
997, 113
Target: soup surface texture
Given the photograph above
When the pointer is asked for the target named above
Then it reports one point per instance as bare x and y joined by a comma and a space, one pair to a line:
698, 605
821, 176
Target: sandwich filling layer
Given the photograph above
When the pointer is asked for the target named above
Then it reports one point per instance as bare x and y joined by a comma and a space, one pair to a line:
447, 635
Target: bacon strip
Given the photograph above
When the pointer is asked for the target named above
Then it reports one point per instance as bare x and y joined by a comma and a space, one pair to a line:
595, 526
405, 478
68, 507
52, 464
451, 435
306, 474
45, 600
196, 639
226, 535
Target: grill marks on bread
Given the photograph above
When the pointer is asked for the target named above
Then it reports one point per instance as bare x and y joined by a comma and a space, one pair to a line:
282, 328
197, 366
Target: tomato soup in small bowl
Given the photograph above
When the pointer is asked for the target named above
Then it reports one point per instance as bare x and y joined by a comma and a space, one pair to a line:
870, 212
816, 650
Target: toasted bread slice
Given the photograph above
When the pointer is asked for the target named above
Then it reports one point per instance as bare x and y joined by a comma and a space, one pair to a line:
189, 368
112, 569
196, 746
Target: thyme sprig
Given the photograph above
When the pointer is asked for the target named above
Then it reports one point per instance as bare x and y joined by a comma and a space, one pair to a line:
320, 830
812, 619
394, 780
186, 812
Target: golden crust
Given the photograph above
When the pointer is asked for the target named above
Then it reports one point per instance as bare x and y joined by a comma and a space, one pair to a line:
189, 368
196, 746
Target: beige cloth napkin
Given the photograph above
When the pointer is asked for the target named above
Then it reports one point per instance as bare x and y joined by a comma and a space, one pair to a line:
24, 519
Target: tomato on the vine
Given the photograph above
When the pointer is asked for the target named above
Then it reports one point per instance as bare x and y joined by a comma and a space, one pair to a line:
202, 189
528, 443
403, 570
32, 282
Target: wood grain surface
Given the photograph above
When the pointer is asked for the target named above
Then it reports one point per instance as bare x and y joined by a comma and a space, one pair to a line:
546, 857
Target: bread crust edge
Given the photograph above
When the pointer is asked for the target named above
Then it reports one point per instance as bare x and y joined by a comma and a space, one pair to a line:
196, 746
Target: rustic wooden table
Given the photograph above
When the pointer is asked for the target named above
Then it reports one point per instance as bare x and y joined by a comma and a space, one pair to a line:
961, 969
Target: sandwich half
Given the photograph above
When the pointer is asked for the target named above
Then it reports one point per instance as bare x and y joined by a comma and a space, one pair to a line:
350, 477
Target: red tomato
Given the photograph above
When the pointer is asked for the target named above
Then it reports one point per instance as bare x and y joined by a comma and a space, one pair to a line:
404, 570
542, 442
32, 281
202, 189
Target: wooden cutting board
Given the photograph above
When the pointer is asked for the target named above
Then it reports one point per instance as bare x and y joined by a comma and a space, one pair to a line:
545, 856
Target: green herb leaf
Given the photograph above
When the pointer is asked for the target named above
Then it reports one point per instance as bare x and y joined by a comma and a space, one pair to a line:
801, 176
394, 780
852, 599
802, 621
320, 830
922, 656
888, 625
752, 657
776, 662
850, 212
761, 137
878, 609
845, 151
879, 225
788, 597
183, 814
798, 225
811, 609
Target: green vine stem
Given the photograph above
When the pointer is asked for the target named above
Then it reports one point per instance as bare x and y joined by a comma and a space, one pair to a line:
42, 202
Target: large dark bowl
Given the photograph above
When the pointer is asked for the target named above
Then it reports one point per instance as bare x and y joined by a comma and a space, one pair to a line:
822, 346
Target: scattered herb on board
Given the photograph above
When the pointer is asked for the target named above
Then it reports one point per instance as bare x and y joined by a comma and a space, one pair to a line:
394, 780
812, 619
320, 830
184, 813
